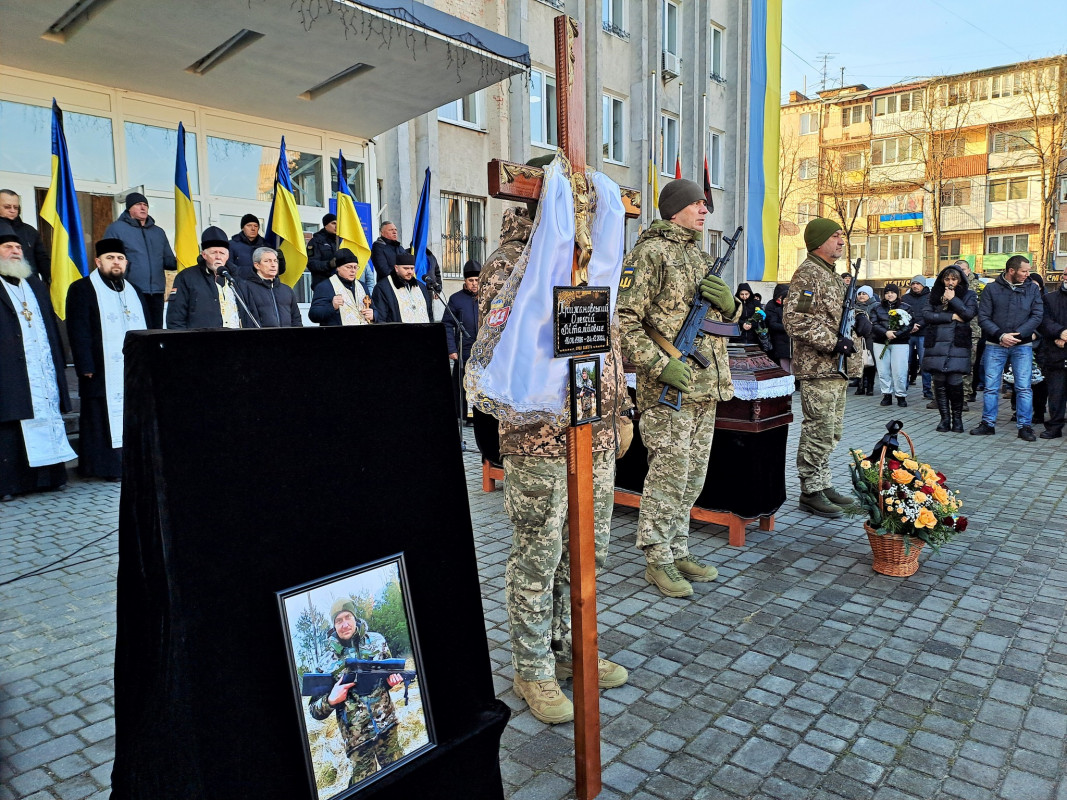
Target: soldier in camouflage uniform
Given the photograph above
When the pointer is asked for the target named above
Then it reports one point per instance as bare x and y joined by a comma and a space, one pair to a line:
812, 316
537, 577
368, 724
659, 277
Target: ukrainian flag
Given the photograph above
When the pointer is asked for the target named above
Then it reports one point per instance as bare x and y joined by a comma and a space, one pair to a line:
653, 171
186, 247
349, 228
284, 231
422, 230
60, 210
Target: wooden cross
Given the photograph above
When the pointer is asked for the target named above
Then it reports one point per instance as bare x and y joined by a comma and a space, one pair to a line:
521, 183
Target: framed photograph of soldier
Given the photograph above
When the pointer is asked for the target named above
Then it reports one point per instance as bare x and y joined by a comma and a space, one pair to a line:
582, 325
355, 667
585, 390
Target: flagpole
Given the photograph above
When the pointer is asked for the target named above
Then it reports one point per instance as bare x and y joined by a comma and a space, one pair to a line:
704, 148
678, 152
655, 138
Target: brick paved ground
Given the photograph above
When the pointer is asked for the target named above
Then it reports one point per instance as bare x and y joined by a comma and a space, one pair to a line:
800, 673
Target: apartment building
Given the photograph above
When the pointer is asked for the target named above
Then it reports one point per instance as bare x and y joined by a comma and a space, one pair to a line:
921, 174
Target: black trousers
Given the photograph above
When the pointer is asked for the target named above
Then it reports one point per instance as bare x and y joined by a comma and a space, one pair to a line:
155, 311
459, 393
1056, 382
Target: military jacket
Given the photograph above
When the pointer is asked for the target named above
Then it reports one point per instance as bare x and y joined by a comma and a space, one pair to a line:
659, 280
360, 719
541, 439
811, 317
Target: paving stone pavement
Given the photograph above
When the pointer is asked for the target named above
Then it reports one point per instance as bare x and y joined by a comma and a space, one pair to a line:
799, 673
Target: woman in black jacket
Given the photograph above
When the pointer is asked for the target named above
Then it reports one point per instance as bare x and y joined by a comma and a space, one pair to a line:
781, 345
947, 337
747, 302
892, 357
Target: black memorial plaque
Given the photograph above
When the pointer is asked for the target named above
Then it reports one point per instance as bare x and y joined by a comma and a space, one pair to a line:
582, 324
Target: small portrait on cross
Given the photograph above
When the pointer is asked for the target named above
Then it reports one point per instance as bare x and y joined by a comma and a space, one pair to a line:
585, 389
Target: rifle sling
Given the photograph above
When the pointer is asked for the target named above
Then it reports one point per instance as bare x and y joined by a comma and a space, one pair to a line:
665, 344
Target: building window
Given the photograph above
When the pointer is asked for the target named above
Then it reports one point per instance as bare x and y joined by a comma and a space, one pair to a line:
895, 247
853, 208
613, 131
949, 250
891, 104
956, 194
716, 54
1009, 189
668, 133
1019, 243
857, 249
715, 160
1013, 141
951, 148
542, 109
464, 111
894, 151
354, 174
150, 153
1061, 247
670, 27
26, 143
807, 211
852, 162
809, 123
612, 17
246, 170
462, 232
852, 115
1063, 190
809, 168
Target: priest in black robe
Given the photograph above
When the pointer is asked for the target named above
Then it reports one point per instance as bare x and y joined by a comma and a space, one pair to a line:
33, 383
101, 308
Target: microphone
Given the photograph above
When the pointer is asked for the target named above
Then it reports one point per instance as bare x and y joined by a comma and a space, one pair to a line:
225, 274
432, 285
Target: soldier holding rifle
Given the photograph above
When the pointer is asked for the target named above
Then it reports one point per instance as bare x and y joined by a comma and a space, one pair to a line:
659, 278
816, 317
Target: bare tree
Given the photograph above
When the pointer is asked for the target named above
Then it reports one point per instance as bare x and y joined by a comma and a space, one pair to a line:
788, 169
845, 185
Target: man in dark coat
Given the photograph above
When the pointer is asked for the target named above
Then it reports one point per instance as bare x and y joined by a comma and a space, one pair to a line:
148, 252
101, 308
397, 299
33, 250
342, 300
917, 298
461, 328
33, 388
385, 249
202, 296
270, 302
1009, 312
1052, 356
243, 244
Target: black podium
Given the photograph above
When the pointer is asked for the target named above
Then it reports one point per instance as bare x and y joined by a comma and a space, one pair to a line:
256, 461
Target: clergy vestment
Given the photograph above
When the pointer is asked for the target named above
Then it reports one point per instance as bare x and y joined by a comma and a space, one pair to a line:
397, 300
33, 390
99, 312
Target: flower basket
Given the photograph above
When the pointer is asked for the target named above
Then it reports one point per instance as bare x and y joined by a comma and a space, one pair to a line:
906, 502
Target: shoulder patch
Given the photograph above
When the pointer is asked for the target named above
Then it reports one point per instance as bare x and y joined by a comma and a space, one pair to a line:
311, 249
804, 303
627, 279
498, 313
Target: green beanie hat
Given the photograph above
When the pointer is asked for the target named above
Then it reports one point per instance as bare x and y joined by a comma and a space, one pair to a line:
818, 231
676, 195
342, 604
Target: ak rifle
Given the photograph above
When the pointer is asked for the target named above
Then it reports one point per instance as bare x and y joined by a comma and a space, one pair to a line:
696, 326
847, 316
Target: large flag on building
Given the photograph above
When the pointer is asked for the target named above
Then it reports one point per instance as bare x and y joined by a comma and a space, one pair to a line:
60, 210
422, 230
765, 83
186, 244
349, 228
284, 231
653, 170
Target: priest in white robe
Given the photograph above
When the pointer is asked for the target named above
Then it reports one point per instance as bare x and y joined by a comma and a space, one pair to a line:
33, 385
100, 310
401, 297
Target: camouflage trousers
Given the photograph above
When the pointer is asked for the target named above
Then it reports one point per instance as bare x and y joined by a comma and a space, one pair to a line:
679, 446
376, 754
823, 403
537, 579
968, 376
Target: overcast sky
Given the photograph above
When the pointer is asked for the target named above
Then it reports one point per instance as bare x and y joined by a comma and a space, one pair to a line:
880, 43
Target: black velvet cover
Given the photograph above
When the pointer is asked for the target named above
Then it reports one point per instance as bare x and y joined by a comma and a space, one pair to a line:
257, 460
745, 476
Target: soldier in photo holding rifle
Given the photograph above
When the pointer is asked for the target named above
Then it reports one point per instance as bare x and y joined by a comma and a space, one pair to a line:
656, 294
827, 351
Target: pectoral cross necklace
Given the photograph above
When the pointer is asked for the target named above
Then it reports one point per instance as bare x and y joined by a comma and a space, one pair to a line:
25, 306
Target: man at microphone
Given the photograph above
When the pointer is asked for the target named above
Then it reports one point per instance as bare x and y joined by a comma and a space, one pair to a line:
205, 296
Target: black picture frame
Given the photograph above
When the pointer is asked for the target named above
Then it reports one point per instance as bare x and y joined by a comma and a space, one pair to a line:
377, 589
585, 398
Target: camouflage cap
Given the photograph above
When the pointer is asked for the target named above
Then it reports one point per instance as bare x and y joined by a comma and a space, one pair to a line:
342, 604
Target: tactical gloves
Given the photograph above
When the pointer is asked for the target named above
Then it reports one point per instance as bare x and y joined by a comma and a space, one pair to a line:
677, 374
716, 292
844, 346
862, 326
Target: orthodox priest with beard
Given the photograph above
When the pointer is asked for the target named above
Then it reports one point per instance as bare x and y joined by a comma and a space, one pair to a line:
33, 386
100, 309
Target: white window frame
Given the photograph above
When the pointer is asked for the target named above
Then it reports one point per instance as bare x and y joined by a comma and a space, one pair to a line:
850, 206
715, 159
808, 169
849, 114
1061, 243
958, 194
463, 234
807, 211
668, 45
881, 146
614, 112
547, 79
613, 15
716, 41
1009, 184
1063, 190
998, 245
669, 145
852, 154
1017, 141
806, 122
453, 113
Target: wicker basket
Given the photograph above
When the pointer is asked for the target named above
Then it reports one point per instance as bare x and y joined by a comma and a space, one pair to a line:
889, 553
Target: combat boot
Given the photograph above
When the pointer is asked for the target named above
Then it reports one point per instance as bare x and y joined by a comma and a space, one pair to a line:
837, 498
546, 700
817, 503
668, 580
609, 674
695, 571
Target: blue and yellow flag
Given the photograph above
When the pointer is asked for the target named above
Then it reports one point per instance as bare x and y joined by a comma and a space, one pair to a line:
284, 231
654, 172
349, 228
60, 210
422, 230
186, 246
